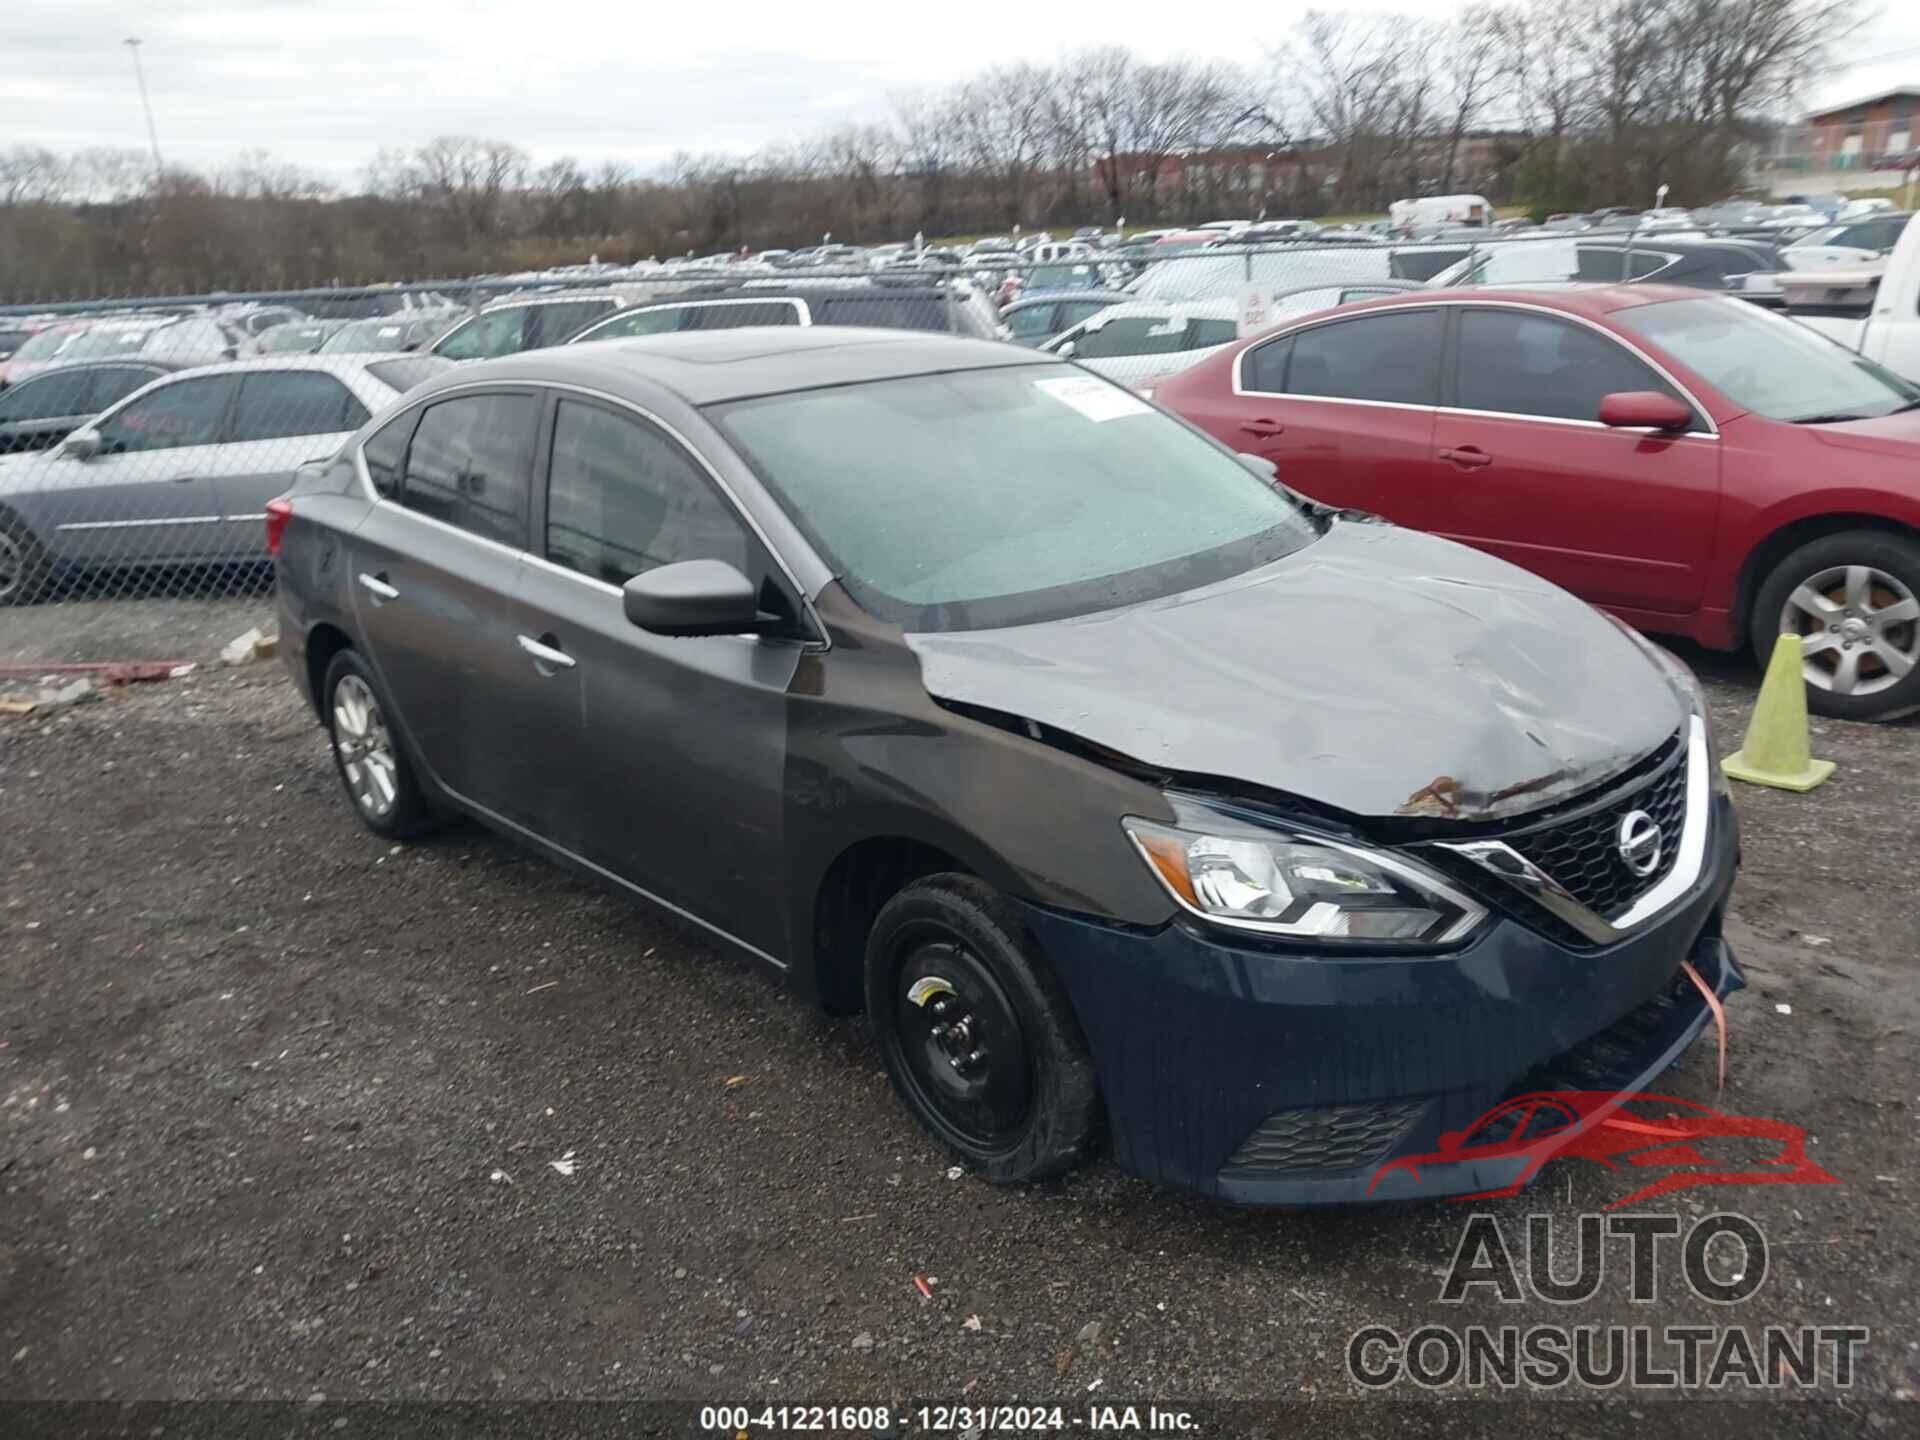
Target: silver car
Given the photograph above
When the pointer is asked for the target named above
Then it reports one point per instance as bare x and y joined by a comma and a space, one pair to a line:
180, 471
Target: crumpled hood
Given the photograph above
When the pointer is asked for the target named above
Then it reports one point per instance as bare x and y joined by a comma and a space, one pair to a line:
1378, 670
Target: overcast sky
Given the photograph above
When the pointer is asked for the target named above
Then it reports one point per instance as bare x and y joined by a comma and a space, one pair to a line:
325, 83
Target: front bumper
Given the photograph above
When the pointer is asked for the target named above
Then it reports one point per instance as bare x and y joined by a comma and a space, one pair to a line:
1271, 1078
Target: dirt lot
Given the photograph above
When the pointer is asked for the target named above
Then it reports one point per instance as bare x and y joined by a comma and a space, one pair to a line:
280, 1106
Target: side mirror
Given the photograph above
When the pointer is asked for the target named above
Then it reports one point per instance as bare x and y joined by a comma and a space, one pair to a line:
81, 445
694, 597
1261, 466
1644, 409
1065, 352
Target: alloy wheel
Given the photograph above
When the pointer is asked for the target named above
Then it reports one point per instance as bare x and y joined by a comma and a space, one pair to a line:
1859, 628
365, 748
13, 566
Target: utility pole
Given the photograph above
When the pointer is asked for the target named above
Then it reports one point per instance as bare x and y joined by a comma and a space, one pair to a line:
153, 136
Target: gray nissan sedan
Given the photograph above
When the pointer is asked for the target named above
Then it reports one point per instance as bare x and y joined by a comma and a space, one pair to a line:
1139, 802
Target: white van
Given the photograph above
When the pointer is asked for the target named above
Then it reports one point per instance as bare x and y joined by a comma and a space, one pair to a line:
1432, 210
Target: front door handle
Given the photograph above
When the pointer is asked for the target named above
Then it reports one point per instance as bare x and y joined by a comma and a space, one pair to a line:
547, 659
378, 588
1262, 426
183, 479
1470, 456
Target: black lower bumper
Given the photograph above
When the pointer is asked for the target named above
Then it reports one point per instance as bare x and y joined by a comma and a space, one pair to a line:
1271, 1078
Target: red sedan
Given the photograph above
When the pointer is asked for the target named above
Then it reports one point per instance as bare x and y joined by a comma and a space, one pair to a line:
1692, 463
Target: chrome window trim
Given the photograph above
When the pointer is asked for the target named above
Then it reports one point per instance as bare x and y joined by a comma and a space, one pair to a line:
800, 308
1500, 859
821, 641
138, 524
1483, 303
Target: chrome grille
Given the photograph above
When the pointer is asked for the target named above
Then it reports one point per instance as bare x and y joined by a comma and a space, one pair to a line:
1583, 855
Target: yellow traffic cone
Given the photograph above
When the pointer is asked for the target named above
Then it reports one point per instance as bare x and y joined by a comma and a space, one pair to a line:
1777, 752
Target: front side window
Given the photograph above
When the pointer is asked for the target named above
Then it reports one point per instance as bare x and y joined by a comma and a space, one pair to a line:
486, 336
1391, 358
1033, 323
622, 499
1057, 493
1767, 363
1518, 363
187, 412
468, 465
273, 407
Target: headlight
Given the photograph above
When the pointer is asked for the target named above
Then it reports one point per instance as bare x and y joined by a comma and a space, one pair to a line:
1298, 886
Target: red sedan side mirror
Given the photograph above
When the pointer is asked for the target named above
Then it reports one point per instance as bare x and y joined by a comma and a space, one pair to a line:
1644, 409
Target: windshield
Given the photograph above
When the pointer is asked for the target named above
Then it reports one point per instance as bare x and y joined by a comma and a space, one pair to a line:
46, 344
1767, 363
366, 337
1058, 493
97, 343
1214, 274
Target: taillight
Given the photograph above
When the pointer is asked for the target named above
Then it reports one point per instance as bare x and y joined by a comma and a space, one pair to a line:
279, 511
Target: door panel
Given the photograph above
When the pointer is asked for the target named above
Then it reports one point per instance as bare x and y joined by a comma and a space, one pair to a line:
133, 509
443, 644
676, 754
1345, 411
675, 759
434, 579
1619, 517
1615, 516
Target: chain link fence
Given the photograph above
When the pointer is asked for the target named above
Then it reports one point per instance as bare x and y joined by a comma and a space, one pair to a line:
141, 439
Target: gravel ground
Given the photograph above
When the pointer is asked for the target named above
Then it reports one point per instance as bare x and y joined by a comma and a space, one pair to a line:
280, 1106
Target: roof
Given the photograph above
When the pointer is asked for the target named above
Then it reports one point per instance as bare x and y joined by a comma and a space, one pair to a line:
336, 365
704, 367
1873, 99
1574, 297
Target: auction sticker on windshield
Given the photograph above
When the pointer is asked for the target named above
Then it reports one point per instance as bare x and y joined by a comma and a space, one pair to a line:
1094, 399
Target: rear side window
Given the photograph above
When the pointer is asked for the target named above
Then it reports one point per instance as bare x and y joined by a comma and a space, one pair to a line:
1035, 322
46, 397
1527, 364
657, 320
622, 498
1265, 367
273, 407
1387, 359
889, 312
757, 312
550, 324
385, 454
468, 465
114, 383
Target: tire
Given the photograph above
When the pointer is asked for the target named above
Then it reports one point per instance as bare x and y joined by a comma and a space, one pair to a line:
1855, 598
26, 570
978, 1037
373, 765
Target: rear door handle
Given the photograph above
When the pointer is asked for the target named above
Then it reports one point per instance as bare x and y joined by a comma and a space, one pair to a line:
1262, 426
1470, 456
546, 658
378, 588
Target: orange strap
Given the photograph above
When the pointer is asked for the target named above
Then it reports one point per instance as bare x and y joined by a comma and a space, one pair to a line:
1719, 1014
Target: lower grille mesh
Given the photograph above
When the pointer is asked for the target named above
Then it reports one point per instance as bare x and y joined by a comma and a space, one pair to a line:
1331, 1137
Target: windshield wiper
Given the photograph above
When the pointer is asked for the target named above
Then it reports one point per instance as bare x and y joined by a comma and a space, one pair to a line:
1833, 419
